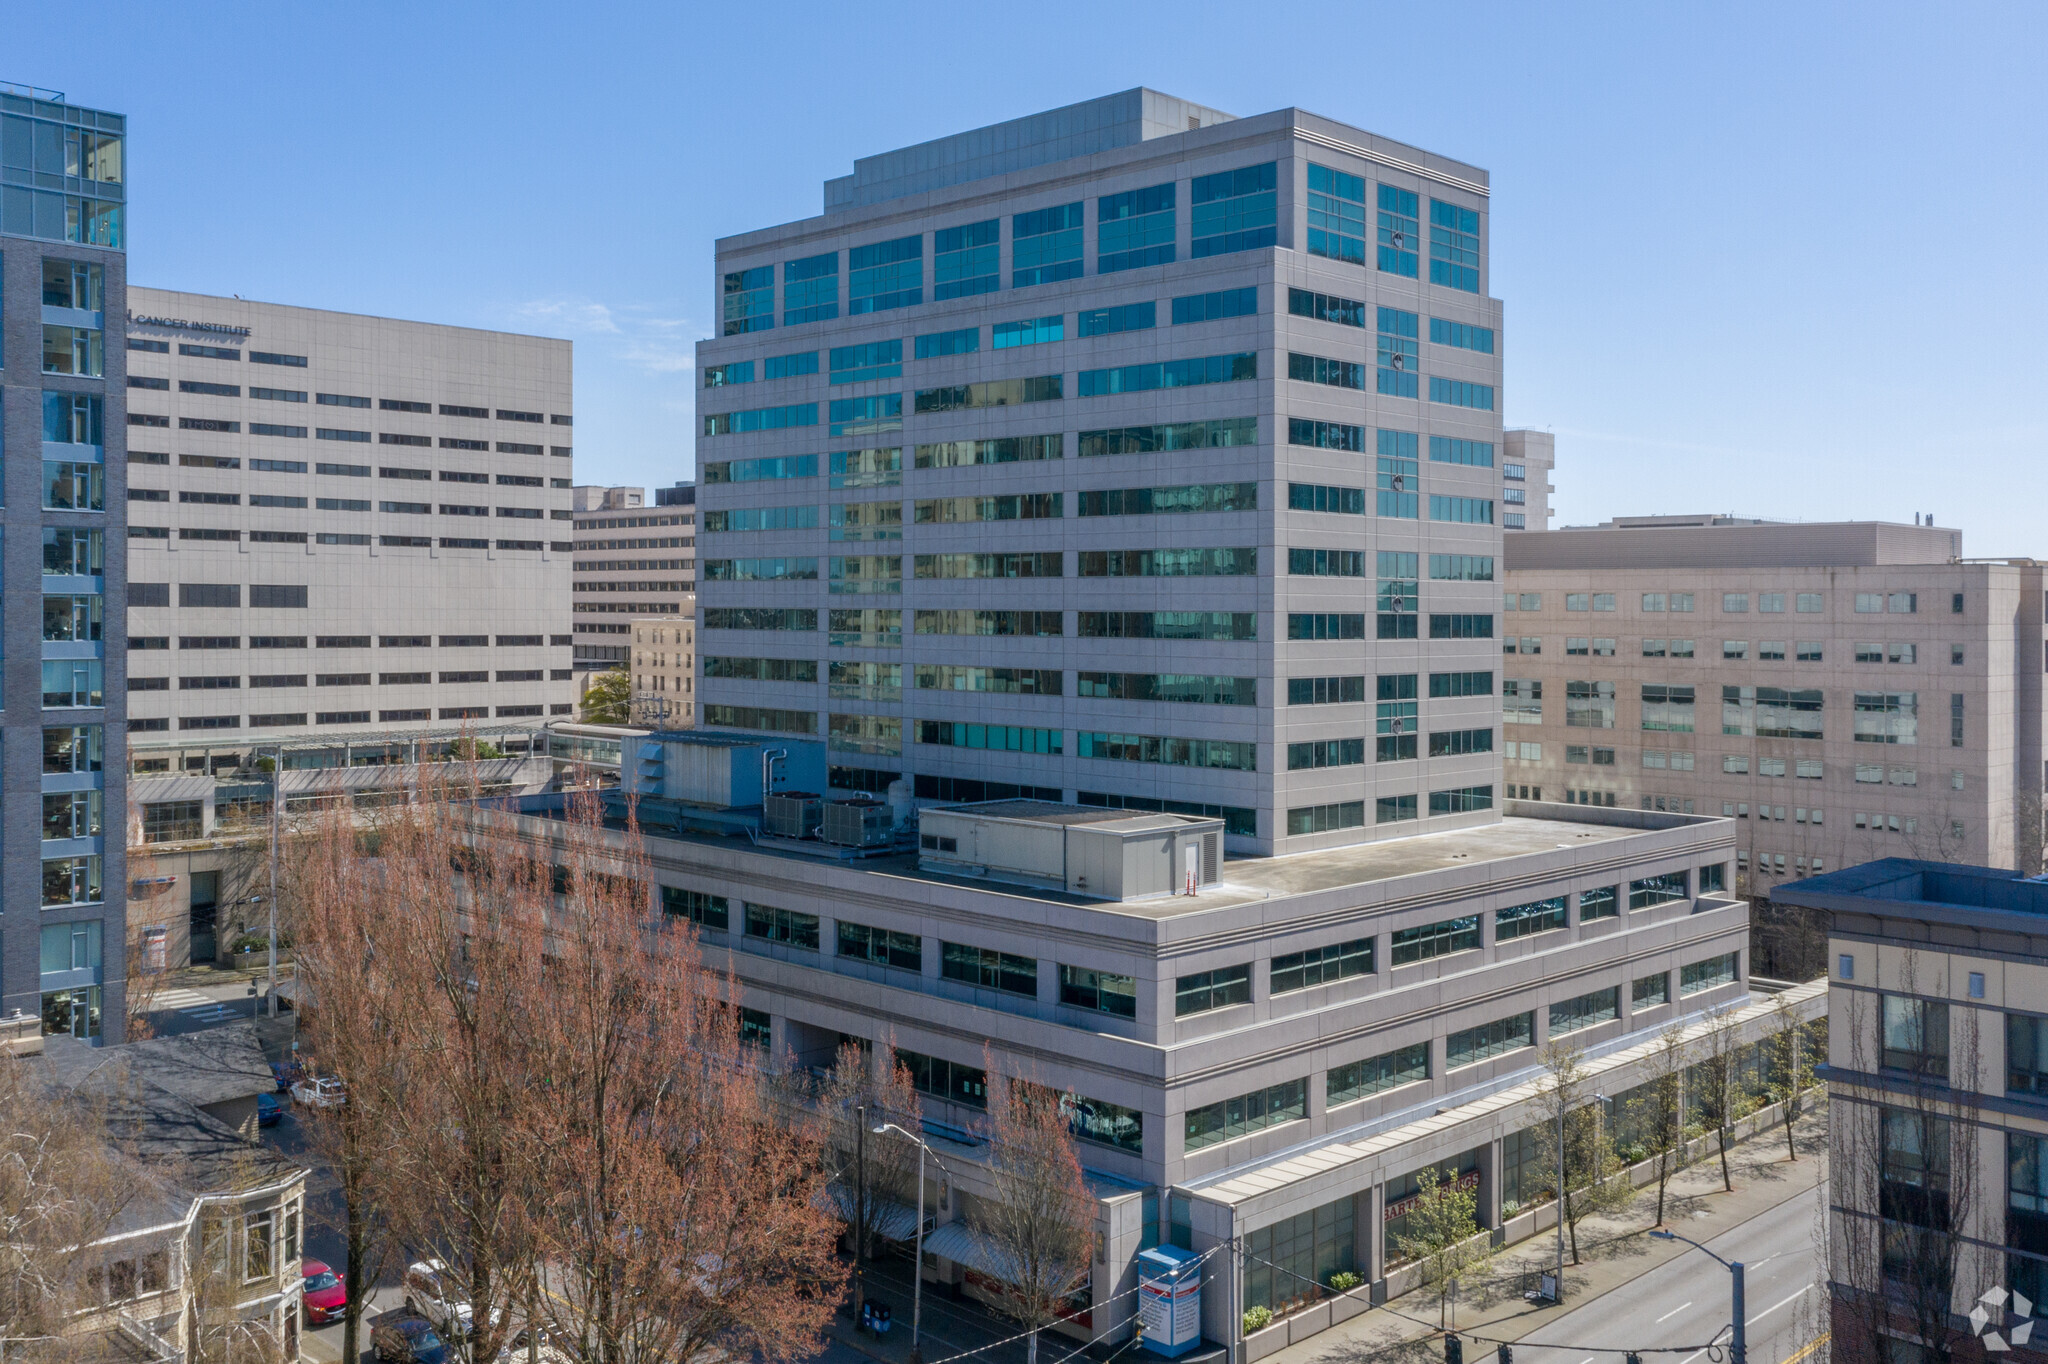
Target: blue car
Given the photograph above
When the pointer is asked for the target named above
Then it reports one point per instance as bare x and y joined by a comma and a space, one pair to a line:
269, 1110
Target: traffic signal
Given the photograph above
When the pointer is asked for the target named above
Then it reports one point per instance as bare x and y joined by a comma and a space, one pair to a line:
1634, 1358
1507, 1353
1454, 1350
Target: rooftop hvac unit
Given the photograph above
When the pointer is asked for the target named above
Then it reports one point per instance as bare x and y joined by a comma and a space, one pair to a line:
858, 824
792, 814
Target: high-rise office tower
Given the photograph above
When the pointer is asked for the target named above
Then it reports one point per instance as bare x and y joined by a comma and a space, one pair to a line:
62, 274
631, 560
1128, 453
342, 525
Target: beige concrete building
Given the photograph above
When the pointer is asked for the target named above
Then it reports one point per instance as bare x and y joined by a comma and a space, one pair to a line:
1843, 691
1937, 1075
664, 668
631, 560
1527, 459
342, 524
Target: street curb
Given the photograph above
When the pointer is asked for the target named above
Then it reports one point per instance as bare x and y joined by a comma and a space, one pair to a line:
858, 1346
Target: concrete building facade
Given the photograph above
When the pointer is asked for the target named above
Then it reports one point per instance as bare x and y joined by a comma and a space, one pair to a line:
1525, 479
664, 669
1937, 1076
1278, 1053
1843, 691
1129, 453
630, 561
64, 428
344, 524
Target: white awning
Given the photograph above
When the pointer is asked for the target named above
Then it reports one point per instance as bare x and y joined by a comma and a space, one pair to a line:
894, 1222
962, 1244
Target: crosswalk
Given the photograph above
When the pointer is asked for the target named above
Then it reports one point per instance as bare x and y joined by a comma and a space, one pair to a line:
195, 1005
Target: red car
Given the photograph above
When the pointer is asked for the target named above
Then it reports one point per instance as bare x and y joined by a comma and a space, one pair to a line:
326, 1292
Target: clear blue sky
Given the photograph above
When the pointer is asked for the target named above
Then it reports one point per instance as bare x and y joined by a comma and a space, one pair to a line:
1782, 259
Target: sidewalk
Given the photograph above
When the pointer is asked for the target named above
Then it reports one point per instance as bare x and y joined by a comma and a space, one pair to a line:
1613, 1251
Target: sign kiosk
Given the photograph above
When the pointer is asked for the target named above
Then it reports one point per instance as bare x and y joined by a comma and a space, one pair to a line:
1170, 1299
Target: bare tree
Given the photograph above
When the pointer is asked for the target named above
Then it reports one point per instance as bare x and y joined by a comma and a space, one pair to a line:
1904, 1169
657, 1120
62, 1185
1039, 1218
1594, 1179
145, 970
1444, 1238
1714, 1086
460, 1170
873, 1175
356, 1029
1658, 1110
1791, 1066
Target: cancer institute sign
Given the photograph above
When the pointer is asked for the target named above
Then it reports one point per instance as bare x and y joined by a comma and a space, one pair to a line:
180, 324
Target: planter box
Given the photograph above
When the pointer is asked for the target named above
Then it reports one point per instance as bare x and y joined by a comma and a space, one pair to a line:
1261, 1343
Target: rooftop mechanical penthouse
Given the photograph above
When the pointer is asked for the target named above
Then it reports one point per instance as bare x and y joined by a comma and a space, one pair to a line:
1130, 454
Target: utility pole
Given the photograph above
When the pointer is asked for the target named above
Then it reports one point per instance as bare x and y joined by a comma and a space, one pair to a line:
860, 1204
1557, 1284
1738, 1352
276, 823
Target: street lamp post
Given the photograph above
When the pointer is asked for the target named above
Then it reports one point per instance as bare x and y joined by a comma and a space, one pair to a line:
1738, 1347
1558, 1282
276, 823
917, 1254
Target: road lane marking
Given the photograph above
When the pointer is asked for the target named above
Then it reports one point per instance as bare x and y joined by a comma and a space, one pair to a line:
1776, 1305
1674, 1312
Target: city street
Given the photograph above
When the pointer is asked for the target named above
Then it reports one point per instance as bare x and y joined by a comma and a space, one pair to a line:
1684, 1301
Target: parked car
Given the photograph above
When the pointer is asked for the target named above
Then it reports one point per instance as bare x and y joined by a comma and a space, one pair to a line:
323, 1091
428, 1292
326, 1292
269, 1110
404, 1337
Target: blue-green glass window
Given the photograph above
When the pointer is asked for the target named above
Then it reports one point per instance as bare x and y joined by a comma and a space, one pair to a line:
750, 300
866, 416
1226, 754
1396, 597
1489, 1039
966, 260
1325, 563
1393, 809
1133, 229
74, 418
758, 470
1400, 230
1316, 369
790, 366
1346, 312
1394, 707
1045, 245
1336, 214
884, 275
1445, 450
1453, 246
1520, 921
73, 682
1461, 800
1458, 393
1400, 353
1029, 332
1463, 335
997, 738
871, 360
1461, 568
1325, 435
1234, 210
1130, 317
1323, 497
760, 419
965, 341
1476, 511
1399, 474
1224, 303
810, 290
1208, 369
